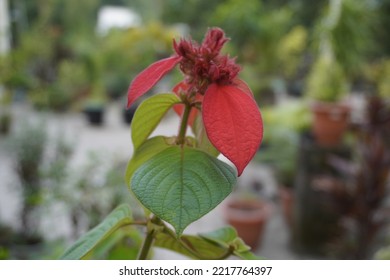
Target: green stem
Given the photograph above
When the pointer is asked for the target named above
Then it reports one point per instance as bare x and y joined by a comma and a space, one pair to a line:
154, 225
138, 223
146, 245
183, 125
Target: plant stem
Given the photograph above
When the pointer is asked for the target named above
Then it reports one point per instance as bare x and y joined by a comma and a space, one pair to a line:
138, 223
183, 125
147, 245
154, 226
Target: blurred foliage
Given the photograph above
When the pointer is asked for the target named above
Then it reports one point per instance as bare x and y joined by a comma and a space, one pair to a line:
194, 13
350, 32
280, 152
255, 29
383, 26
384, 80
291, 114
58, 31
5, 122
283, 124
270, 37
291, 49
353, 35
346, 27
89, 192
28, 145
383, 253
126, 53
343, 38
60, 60
378, 74
326, 81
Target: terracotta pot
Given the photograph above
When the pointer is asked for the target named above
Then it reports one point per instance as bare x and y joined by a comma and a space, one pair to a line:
248, 217
330, 122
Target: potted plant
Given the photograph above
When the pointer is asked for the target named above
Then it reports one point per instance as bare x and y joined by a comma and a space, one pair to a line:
94, 106
94, 110
326, 85
248, 215
338, 55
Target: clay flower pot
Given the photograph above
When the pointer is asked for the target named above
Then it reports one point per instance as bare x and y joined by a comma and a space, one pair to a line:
248, 217
330, 122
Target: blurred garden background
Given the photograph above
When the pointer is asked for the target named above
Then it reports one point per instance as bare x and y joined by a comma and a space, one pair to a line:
65, 67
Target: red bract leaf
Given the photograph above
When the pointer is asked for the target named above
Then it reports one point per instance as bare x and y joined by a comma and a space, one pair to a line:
179, 108
233, 123
149, 77
243, 86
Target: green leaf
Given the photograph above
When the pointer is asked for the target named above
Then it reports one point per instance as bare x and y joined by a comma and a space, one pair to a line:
223, 236
193, 247
219, 244
202, 141
227, 238
119, 217
182, 184
123, 244
248, 255
145, 152
149, 114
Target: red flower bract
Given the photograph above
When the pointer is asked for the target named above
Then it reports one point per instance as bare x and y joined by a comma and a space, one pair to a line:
233, 123
149, 77
230, 114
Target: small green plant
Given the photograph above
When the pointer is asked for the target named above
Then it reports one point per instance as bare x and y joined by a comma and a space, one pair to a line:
179, 179
326, 81
290, 50
285, 123
29, 146
377, 76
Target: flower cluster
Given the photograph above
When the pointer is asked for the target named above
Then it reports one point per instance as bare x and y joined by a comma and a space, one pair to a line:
204, 64
230, 115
